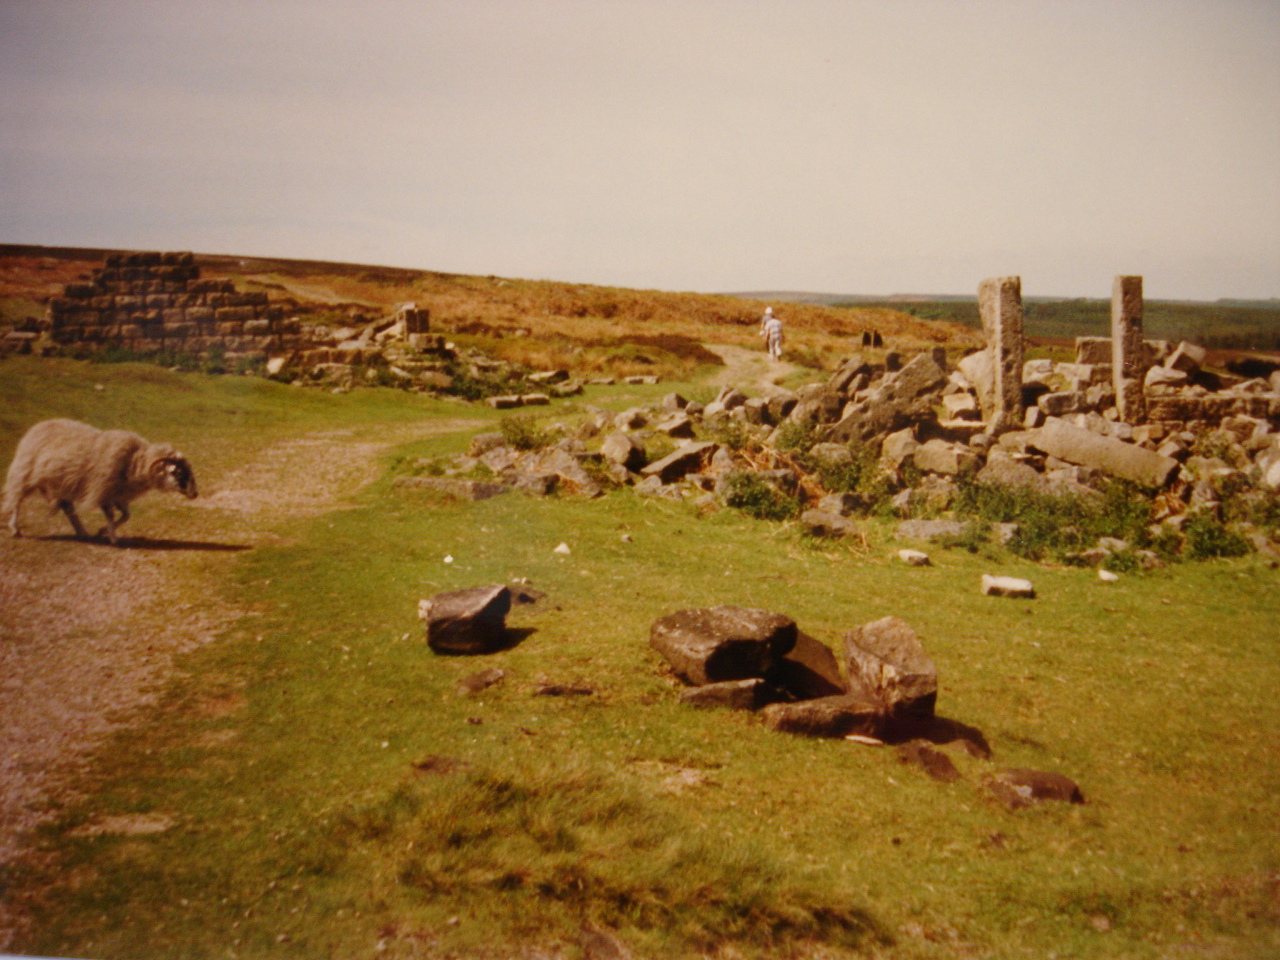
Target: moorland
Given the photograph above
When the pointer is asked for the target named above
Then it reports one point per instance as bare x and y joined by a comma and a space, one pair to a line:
229, 738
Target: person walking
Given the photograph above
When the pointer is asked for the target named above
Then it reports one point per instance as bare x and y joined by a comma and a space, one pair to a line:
771, 331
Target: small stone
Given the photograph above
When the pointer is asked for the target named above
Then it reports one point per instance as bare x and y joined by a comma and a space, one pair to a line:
562, 549
1007, 587
1020, 788
1106, 576
914, 558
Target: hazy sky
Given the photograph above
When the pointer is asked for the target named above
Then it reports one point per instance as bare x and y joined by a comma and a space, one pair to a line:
853, 146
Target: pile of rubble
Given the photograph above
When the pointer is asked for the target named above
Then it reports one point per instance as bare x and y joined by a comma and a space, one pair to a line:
883, 690
1189, 438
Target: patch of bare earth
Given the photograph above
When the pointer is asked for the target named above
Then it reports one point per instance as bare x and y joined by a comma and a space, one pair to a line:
89, 633
749, 369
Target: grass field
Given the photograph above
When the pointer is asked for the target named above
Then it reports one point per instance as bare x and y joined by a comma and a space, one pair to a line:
1226, 325
320, 787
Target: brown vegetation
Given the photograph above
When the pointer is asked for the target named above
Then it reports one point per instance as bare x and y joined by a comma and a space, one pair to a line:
538, 323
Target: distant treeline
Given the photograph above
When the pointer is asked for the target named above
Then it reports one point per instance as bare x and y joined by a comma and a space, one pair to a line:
1224, 325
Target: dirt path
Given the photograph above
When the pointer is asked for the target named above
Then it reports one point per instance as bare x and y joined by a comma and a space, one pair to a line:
750, 369
89, 633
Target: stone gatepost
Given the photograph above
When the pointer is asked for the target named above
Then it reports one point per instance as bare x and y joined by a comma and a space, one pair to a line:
1000, 304
1129, 359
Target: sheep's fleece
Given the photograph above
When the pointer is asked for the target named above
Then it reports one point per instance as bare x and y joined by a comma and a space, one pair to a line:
68, 462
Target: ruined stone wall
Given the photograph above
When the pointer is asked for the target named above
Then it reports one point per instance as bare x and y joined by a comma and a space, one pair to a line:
154, 302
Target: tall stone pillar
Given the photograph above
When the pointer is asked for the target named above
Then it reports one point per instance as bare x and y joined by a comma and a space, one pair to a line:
1128, 354
1000, 304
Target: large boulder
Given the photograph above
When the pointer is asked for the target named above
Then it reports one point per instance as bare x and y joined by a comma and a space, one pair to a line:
886, 663
713, 644
1128, 461
467, 621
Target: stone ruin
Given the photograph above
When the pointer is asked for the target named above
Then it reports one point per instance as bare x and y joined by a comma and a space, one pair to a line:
158, 302
1125, 408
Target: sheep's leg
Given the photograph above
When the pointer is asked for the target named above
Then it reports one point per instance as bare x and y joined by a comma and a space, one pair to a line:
69, 509
113, 522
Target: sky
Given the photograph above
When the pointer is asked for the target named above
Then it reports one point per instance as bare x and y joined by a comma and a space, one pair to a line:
846, 146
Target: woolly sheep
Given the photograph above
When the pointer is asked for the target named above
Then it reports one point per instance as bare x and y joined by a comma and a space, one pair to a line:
68, 462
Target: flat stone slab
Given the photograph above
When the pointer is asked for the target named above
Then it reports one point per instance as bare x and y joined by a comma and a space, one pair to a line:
1014, 587
1128, 461
751, 694
833, 717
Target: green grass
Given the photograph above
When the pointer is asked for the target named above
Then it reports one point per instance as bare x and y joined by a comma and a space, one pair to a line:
288, 752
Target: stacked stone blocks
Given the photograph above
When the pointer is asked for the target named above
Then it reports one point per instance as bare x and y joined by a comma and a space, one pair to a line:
153, 302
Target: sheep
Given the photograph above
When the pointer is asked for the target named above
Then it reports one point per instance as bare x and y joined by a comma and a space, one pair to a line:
68, 462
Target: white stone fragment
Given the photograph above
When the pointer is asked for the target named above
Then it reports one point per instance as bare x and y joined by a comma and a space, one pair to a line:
915, 558
1106, 576
563, 549
1007, 587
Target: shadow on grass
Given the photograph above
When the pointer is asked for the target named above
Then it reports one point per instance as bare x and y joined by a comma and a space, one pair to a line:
939, 731
148, 543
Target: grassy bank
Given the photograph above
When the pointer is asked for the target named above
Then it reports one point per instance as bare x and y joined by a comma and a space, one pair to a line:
315, 783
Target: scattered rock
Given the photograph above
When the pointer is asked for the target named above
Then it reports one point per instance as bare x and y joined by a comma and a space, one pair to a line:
1007, 587
933, 762
482, 680
684, 461
928, 529
468, 621
1021, 788
824, 523
914, 558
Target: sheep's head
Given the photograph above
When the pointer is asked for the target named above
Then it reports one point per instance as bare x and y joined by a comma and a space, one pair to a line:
172, 472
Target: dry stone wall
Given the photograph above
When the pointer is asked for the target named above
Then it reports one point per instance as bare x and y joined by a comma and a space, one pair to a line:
158, 302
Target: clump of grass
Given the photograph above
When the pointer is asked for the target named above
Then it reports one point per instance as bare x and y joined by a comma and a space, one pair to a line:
522, 431
794, 436
549, 847
728, 432
1050, 525
756, 497
1207, 537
